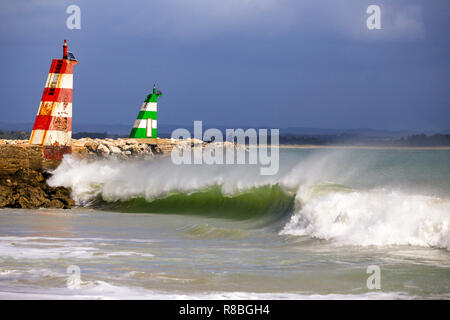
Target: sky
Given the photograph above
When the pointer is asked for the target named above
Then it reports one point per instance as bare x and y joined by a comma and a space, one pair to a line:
274, 63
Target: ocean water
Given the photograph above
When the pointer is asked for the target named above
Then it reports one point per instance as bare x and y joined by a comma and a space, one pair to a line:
154, 230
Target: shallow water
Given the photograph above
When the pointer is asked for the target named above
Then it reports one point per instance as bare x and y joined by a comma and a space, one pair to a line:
154, 230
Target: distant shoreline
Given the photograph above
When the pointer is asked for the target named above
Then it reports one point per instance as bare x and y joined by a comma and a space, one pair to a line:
348, 146
313, 146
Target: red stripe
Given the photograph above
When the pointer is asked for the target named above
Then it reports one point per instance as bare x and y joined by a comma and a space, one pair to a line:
42, 122
62, 66
57, 95
53, 123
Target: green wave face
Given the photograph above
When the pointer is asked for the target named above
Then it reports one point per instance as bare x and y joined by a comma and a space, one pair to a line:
266, 201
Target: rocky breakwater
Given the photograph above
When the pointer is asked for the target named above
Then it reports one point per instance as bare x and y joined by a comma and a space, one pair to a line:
24, 171
119, 148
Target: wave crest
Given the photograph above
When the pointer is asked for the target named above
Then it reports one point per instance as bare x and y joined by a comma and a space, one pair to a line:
376, 217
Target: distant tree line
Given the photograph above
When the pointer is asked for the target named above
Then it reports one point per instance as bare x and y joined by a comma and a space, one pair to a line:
96, 135
417, 140
424, 140
14, 135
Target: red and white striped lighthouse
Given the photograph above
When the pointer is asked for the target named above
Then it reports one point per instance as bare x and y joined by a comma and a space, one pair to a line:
53, 126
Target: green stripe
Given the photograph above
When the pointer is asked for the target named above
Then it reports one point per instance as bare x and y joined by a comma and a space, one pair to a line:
142, 133
151, 98
146, 115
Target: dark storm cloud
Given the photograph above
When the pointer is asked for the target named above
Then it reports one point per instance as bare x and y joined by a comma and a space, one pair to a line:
261, 62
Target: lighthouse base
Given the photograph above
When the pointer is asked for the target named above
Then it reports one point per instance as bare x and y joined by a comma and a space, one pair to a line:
143, 133
56, 152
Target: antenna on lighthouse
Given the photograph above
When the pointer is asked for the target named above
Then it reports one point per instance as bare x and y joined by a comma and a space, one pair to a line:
65, 49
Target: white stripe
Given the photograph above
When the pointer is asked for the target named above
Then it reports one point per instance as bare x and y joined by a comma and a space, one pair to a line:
140, 123
58, 109
149, 106
51, 136
59, 80
149, 127
60, 137
37, 136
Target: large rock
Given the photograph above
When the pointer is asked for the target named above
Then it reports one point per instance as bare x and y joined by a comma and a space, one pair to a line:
91, 146
5, 196
103, 150
115, 150
28, 189
127, 147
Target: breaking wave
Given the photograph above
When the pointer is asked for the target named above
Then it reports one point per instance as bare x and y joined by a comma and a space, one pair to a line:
267, 201
375, 217
316, 197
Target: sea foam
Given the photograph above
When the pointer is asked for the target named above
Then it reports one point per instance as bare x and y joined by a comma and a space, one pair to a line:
375, 217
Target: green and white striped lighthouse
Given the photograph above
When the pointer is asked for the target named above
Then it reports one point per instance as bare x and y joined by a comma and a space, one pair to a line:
145, 125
